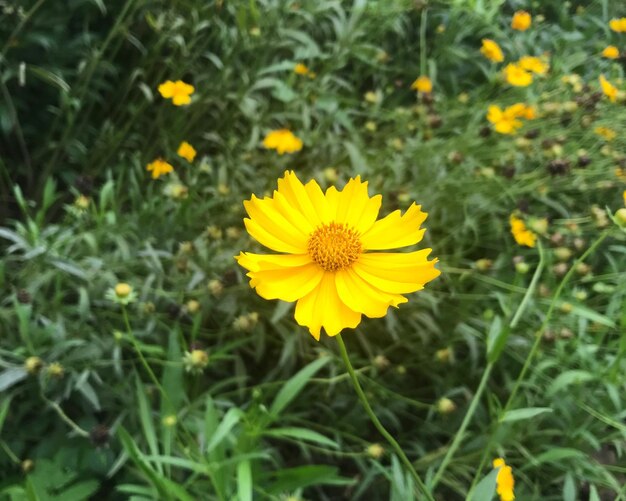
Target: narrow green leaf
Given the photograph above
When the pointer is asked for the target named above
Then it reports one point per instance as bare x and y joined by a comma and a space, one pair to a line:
525, 413
293, 387
231, 418
569, 378
147, 424
244, 481
301, 434
486, 488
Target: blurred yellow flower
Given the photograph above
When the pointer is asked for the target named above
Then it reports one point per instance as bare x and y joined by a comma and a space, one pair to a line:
422, 84
491, 50
608, 89
517, 76
179, 92
606, 133
325, 266
505, 483
521, 20
302, 69
521, 234
159, 167
533, 64
618, 25
186, 151
283, 141
610, 52
507, 121
574, 80
624, 196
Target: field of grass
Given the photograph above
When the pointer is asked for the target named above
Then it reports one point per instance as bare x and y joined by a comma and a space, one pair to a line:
136, 360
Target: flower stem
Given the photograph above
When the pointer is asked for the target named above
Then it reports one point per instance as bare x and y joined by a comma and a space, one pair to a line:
379, 426
144, 362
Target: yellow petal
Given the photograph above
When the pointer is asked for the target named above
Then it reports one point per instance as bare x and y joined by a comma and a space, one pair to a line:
395, 230
319, 202
180, 99
322, 307
354, 206
386, 273
166, 89
280, 277
269, 240
266, 213
293, 189
363, 297
258, 262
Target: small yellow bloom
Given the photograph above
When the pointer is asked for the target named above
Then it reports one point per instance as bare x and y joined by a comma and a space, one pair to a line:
375, 451
33, 365
610, 52
372, 97
179, 92
422, 84
122, 290
533, 64
56, 370
283, 141
159, 167
186, 151
521, 20
517, 76
605, 132
505, 483
170, 420
624, 196
618, 25
82, 202
521, 234
491, 50
195, 361
300, 69
507, 121
608, 89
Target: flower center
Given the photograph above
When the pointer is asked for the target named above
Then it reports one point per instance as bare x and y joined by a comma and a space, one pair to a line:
334, 246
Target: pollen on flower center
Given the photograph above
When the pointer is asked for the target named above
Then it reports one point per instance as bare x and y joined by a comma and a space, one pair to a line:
334, 246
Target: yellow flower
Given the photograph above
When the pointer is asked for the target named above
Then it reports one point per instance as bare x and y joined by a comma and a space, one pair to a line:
522, 235
624, 196
302, 69
610, 52
517, 76
123, 290
618, 25
325, 265
158, 168
422, 84
606, 133
177, 91
533, 64
491, 50
609, 89
521, 20
504, 123
505, 483
186, 151
507, 121
283, 141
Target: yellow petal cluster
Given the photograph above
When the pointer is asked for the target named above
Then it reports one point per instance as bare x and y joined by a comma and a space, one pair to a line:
533, 64
283, 141
521, 234
505, 483
186, 151
610, 52
159, 167
618, 25
608, 89
517, 76
507, 120
491, 50
521, 20
326, 262
302, 69
422, 84
605, 132
179, 92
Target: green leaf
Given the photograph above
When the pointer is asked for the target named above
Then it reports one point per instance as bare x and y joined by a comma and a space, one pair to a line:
486, 488
12, 376
301, 434
231, 418
569, 378
293, 387
244, 481
4, 410
496, 339
525, 413
290, 479
569, 488
146, 421
557, 454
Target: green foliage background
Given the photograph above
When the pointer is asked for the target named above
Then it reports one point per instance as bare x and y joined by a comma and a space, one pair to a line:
274, 415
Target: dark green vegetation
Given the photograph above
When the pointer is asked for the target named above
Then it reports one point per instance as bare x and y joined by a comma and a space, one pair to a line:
80, 115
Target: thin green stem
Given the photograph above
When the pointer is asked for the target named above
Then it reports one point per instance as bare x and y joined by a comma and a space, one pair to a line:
460, 434
379, 426
57, 408
144, 362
